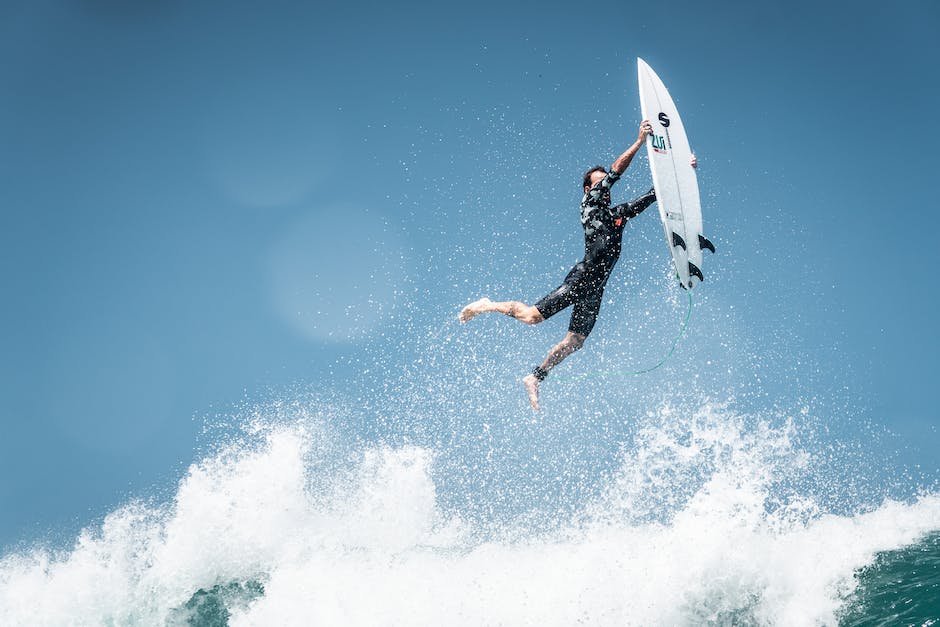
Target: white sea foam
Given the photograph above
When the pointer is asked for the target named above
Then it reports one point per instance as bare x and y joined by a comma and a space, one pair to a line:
704, 523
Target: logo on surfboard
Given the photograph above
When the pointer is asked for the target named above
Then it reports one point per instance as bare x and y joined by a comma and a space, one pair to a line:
658, 143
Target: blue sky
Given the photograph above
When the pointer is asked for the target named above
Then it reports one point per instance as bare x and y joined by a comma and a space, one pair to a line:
206, 204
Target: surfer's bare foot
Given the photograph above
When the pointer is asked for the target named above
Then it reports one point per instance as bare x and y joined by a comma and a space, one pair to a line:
475, 308
532, 389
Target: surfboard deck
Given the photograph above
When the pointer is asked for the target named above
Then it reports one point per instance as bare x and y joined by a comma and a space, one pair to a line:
674, 178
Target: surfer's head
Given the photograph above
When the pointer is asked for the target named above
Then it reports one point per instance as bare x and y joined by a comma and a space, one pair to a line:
593, 176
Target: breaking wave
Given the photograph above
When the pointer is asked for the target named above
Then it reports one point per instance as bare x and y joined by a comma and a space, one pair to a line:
708, 517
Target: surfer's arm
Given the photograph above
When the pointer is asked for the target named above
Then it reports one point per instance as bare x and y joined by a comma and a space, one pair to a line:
635, 207
623, 161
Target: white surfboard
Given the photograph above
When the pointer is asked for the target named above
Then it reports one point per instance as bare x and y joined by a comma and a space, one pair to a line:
674, 178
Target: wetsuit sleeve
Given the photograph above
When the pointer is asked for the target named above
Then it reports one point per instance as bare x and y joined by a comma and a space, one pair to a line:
594, 194
635, 207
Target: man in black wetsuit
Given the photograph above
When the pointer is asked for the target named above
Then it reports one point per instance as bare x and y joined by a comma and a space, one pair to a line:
584, 285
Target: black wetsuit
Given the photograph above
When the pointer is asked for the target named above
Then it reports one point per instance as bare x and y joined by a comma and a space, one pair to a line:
603, 230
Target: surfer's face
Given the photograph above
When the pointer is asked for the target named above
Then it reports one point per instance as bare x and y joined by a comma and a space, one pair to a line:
596, 177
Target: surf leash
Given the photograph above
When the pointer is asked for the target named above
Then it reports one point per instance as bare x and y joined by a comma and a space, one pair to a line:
625, 373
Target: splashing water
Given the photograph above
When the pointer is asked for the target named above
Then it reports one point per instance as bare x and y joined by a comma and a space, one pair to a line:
707, 520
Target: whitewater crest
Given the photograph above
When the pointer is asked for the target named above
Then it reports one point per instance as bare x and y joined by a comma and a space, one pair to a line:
706, 521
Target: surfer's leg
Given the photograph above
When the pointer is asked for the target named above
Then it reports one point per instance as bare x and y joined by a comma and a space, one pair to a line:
585, 312
571, 343
556, 300
518, 310
545, 308
586, 308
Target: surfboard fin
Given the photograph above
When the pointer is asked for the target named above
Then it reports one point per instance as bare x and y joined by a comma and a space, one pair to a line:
703, 243
694, 271
677, 240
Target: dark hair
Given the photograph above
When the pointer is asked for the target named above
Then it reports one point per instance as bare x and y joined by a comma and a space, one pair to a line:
587, 175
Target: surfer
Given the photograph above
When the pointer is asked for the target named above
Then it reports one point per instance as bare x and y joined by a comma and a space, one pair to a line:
583, 287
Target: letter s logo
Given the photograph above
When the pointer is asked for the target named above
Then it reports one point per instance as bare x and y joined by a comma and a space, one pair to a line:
664, 120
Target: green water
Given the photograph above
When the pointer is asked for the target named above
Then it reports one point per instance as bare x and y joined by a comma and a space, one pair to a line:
212, 607
899, 588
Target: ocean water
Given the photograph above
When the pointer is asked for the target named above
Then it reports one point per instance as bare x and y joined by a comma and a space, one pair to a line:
900, 587
707, 517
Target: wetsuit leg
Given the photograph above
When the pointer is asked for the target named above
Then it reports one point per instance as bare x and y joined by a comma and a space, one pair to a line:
556, 300
563, 295
585, 312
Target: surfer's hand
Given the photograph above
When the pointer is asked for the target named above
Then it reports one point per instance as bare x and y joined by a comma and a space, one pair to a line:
645, 129
694, 161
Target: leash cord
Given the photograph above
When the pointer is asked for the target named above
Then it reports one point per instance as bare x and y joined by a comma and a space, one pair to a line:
675, 342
